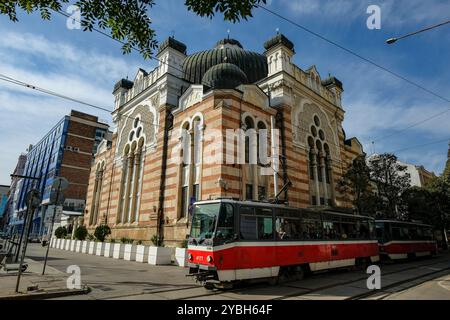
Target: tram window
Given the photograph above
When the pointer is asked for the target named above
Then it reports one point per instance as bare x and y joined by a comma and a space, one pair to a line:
413, 234
265, 228
379, 231
396, 233
311, 227
349, 229
404, 235
363, 229
371, 224
225, 226
428, 235
420, 235
248, 229
288, 228
331, 228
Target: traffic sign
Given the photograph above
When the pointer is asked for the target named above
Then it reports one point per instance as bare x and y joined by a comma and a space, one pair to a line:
34, 198
60, 183
57, 199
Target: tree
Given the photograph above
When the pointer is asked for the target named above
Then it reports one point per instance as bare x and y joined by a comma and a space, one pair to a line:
355, 185
439, 188
60, 232
127, 20
391, 181
431, 204
101, 232
81, 233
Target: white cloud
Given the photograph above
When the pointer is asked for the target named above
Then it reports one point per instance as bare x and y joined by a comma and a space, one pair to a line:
393, 12
59, 66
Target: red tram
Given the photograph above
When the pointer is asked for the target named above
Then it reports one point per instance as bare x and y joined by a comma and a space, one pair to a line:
234, 240
402, 240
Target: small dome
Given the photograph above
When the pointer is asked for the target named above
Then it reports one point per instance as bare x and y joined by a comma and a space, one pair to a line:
279, 39
174, 44
224, 76
229, 41
332, 81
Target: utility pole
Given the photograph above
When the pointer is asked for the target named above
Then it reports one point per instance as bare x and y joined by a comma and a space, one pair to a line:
33, 199
58, 185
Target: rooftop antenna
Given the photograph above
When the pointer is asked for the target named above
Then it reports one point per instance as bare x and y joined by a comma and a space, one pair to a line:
228, 31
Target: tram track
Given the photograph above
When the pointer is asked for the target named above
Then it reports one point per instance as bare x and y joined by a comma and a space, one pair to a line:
393, 285
302, 292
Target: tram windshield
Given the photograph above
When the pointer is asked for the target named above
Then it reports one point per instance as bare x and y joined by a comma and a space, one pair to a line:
212, 220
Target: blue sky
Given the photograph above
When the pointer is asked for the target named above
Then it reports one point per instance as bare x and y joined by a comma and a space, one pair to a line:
86, 65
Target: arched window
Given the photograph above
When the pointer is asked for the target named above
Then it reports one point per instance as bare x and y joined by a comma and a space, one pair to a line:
132, 171
192, 139
96, 197
185, 154
249, 128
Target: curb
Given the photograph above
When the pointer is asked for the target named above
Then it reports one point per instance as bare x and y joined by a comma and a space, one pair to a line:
55, 293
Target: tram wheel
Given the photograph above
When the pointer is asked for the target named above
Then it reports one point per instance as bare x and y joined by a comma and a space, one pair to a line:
299, 273
362, 263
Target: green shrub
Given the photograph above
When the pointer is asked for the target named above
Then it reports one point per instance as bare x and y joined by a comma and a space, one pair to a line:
81, 233
90, 237
126, 240
61, 232
139, 242
155, 241
112, 240
101, 232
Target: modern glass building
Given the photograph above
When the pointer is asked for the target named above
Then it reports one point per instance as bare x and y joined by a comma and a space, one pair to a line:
66, 150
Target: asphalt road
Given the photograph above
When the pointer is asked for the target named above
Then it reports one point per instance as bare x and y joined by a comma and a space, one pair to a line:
118, 279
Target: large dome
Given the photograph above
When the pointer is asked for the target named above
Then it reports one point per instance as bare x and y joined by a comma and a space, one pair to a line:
229, 51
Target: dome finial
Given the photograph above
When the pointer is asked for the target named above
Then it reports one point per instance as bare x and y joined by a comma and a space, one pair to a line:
277, 30
228, 31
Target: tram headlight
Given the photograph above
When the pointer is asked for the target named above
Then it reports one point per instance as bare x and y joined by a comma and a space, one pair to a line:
209, 259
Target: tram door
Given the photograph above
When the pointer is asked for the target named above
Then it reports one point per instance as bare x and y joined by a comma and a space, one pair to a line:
257, 237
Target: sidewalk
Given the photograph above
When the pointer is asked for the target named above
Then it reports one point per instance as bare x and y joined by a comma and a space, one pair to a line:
50, 285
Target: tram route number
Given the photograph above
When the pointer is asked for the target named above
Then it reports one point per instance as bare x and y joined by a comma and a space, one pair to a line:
226, 310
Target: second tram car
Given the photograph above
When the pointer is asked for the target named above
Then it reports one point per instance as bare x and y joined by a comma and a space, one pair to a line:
402, 240
234, 240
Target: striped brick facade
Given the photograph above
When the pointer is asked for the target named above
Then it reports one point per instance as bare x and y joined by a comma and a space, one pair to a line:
284, 94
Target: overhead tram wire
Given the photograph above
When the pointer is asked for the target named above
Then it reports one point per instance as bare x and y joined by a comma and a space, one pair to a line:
30, 86
59, 95
315, 34
412, 125
422, 145
355, 54
370, 62
18, 82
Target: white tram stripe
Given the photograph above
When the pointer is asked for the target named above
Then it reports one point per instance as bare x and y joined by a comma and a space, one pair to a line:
278, 244
408, 242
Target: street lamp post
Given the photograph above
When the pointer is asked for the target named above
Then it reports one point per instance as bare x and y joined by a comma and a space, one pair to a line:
394, 40
33, 201
59, 184
25, 219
